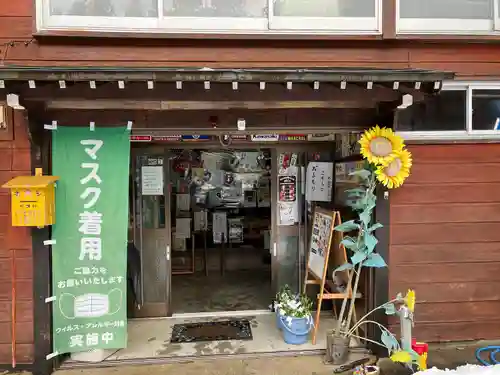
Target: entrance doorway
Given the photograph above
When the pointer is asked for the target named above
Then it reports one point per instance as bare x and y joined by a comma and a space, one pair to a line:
208, 228
202, 220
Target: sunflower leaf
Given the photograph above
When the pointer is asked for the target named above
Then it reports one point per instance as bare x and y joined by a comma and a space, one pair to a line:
374, 227
344, 267
389, 341
390, 309
375, 261
370, 242
347, 226
366, 217
349, 243
361, 173
358, 257
356, 192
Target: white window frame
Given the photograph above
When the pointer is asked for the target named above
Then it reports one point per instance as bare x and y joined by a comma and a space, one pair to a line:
230, 25
469, 133
358, 25
450, 26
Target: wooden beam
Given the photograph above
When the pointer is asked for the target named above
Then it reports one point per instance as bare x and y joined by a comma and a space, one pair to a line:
159, 105
195, 92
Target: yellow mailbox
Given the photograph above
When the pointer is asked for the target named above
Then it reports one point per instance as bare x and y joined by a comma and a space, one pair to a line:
32, 200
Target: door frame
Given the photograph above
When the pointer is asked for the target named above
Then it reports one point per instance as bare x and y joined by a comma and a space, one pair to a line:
144, 311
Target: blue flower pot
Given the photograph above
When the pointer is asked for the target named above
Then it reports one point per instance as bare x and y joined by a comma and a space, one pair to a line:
278, 320
296, 332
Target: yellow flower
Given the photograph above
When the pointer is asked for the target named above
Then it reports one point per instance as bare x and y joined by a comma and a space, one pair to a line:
401, 357
395, 169
377, 144
410, 300
422, 362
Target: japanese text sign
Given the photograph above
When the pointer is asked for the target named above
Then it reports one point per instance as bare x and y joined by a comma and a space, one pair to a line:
89, 257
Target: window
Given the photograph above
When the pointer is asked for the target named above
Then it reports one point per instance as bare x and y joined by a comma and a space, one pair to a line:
447, 16
463, 110
444, 112
486, 110
251, 16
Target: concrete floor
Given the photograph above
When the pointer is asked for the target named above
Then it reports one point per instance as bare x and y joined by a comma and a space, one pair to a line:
150, 339
442, 356
235, 291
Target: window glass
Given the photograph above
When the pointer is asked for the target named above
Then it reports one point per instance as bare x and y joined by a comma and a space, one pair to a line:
486, 109
446, 112
215, 8
447, 9
104, 8
325, 8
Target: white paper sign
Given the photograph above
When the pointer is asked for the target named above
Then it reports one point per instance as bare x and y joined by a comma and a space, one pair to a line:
200, 221
219, 226
152, 180
183, 202
183, 227
319, 181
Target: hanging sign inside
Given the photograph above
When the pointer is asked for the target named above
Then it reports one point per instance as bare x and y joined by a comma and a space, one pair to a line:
319, 182
265, 137
89, 256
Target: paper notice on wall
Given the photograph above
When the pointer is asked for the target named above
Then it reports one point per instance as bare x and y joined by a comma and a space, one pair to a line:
183, 227
219, 226
152, 180
288, 213
319, 182
200, 221
183, 202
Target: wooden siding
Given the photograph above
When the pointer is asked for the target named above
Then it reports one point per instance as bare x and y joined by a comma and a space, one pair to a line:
16, 23
445, 241
15, 243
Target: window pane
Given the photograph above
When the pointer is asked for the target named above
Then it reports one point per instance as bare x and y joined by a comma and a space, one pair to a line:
445, 111
324, 8
449, 9
215, 8
104, 8
485, 109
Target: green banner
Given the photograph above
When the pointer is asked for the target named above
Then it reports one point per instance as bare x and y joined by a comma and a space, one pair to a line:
89, 257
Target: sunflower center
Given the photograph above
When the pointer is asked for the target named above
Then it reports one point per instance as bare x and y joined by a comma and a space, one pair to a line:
393, 169
380, 146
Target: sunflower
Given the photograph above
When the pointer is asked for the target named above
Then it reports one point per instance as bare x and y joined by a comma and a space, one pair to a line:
377, 144
395, 169
410, 300
401, 356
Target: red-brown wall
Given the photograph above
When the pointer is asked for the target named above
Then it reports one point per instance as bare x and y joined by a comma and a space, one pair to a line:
16, 24
445, 241
15, 244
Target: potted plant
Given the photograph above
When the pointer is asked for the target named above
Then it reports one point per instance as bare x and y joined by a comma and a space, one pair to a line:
284, 295
386, 162
296, 319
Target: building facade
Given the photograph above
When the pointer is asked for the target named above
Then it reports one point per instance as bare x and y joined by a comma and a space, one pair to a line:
440, 235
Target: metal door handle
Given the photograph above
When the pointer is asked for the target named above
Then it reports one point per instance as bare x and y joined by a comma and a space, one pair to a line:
168, 252
274, 249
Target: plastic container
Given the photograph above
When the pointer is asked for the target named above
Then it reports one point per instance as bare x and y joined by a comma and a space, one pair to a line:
296, 331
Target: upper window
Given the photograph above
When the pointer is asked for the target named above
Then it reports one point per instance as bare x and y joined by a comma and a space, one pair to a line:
462, 110
252, 16
444, 112
448, 16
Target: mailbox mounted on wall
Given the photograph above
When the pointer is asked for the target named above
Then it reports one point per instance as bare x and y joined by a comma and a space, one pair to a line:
32, 200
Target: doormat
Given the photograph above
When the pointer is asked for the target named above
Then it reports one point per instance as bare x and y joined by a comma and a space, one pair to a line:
234, 329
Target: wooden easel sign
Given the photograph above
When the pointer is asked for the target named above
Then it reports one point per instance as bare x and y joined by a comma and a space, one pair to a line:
319, 245
322, 235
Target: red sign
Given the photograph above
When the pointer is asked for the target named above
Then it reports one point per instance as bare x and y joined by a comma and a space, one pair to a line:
140, 138
167, 138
